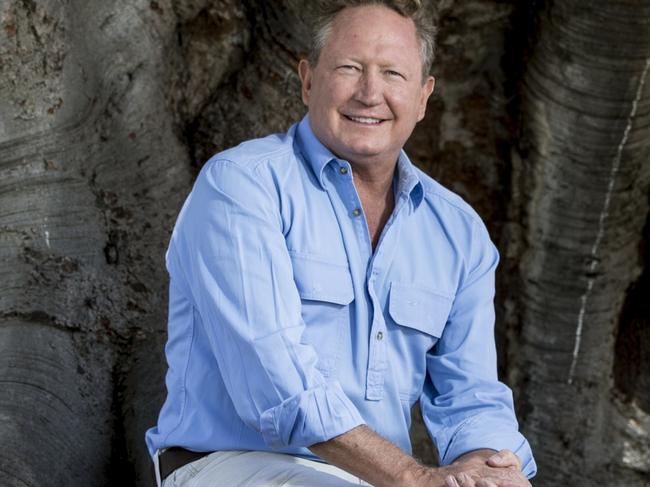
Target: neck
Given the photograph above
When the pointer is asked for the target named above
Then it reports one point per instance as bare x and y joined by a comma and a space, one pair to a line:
374, 181
375, 188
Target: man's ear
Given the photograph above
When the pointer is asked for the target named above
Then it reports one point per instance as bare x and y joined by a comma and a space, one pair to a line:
304, 71
427, 89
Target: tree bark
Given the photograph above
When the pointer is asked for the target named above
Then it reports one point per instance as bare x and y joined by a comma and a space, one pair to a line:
92, 172
54, 406
581, 181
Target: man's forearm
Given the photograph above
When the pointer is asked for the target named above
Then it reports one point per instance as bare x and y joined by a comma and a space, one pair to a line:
364, 453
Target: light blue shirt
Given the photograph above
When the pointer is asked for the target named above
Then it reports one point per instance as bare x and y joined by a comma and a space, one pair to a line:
286, 329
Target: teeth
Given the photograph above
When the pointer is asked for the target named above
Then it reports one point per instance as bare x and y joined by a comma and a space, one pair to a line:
368, 120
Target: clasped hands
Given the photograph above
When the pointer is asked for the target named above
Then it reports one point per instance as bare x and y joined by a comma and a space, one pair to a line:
480, 468
485, 468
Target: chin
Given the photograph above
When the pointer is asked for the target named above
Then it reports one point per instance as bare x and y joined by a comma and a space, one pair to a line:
361, 156
364, 150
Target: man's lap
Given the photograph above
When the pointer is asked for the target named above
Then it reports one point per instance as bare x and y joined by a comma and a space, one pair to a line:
259, 469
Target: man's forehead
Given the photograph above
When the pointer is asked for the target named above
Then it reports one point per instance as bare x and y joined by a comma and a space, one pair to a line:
373, 19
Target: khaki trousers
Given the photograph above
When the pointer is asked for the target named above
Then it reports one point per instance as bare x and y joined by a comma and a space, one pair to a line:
259, 469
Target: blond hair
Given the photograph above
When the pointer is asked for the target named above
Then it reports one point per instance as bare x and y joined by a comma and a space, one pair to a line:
325, 11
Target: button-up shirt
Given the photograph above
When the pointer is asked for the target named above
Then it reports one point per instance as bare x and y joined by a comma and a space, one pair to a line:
287, 329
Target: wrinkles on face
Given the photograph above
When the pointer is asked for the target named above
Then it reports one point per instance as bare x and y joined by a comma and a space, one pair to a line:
366, 93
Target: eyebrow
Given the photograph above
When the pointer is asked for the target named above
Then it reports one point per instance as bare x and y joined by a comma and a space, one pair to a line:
403, 68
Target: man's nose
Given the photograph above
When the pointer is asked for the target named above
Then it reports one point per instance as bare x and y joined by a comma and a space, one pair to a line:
369, 90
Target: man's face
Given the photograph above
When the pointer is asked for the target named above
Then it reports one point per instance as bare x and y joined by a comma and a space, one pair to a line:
366, 93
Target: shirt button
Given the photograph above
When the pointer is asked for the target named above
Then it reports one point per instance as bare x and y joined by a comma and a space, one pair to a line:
380, 335
356, 212
343, 170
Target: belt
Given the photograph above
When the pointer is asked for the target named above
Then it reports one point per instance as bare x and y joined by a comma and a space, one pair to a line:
176, 457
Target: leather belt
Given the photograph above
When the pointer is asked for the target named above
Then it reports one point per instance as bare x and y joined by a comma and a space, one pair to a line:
176, 457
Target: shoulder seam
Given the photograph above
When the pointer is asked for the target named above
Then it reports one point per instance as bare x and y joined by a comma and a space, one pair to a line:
255, 163
470, 213
432, 188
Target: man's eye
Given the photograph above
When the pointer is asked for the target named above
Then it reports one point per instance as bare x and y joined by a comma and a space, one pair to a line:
348, 67
395, 74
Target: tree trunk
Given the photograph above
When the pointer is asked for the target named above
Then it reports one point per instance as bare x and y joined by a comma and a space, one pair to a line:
54, 406
580, 201
92, 174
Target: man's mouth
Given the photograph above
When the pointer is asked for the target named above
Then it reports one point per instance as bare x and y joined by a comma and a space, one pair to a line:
365, 120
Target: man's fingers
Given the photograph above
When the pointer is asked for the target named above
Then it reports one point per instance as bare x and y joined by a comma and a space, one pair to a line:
465, 480
485, 483
504, 458
450, 481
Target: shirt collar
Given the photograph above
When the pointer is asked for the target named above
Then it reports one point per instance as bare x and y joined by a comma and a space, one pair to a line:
319, 157
408, 180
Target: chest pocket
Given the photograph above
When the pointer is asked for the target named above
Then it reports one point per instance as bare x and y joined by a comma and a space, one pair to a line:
326, 291
419, 316
419, 308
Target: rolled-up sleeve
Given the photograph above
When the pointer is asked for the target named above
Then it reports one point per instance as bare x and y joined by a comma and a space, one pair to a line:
464, 406
228, 249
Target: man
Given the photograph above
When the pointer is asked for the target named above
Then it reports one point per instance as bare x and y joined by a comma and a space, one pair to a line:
321, 285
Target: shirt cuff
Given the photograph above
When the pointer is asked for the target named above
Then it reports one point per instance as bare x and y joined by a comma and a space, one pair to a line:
312, 416
480, 432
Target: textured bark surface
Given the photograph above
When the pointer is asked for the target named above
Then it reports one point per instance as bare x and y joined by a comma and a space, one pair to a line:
92, 173
580, 199
541, 120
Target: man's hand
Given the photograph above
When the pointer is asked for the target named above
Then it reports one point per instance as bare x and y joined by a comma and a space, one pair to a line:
486, 468
367, 455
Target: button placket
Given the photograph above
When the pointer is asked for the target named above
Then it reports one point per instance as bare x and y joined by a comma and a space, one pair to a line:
378, 338
377, 364
342, 180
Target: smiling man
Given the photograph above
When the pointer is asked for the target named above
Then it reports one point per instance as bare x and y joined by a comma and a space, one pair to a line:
320, 285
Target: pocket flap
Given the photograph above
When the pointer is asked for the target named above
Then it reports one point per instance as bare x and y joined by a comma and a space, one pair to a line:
322, 281
419, 308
